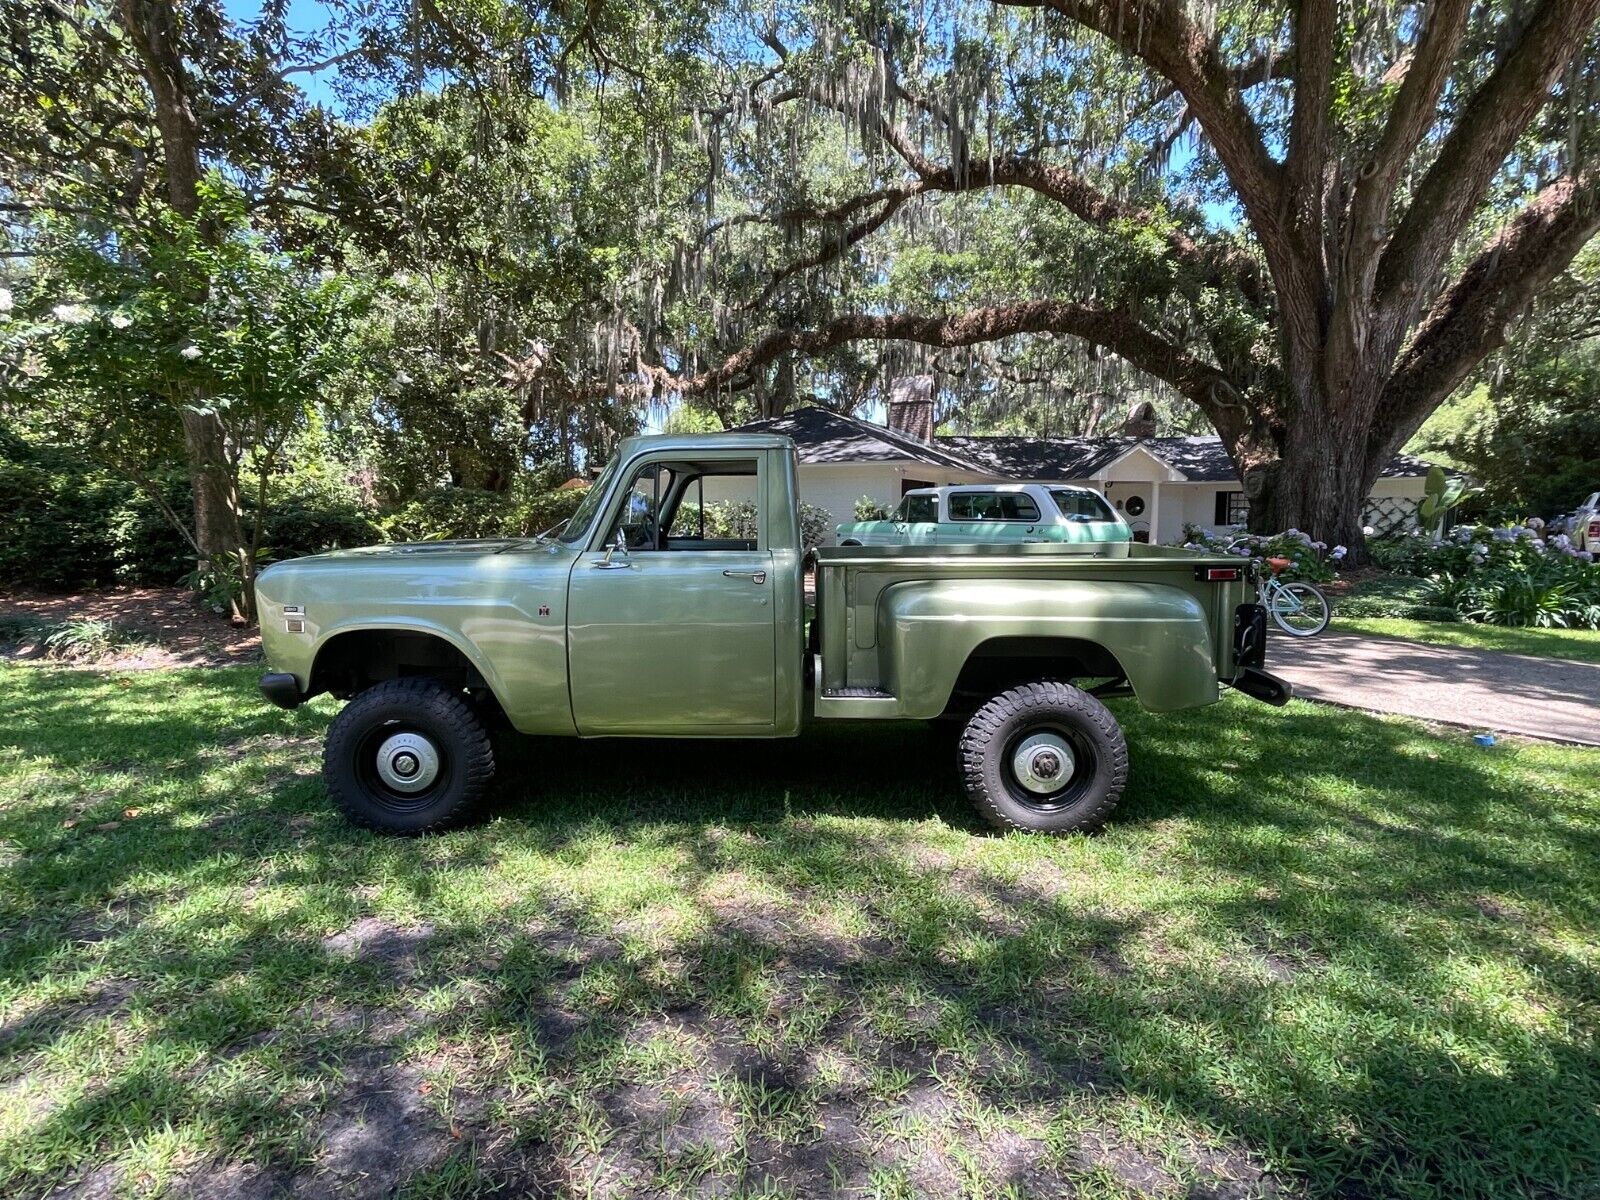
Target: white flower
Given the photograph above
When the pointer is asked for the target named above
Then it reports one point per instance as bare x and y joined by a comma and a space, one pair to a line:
402, 378
190, 352
1368, 530
6, 302
71, 314
119, 321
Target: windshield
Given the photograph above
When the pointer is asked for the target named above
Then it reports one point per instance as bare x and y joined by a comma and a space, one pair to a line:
578, 523
1081, 506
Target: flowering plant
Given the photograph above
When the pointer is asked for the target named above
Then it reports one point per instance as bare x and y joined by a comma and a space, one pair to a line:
1527, 574
1308, 558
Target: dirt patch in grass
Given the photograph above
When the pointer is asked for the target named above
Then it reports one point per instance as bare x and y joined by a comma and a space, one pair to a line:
174, 629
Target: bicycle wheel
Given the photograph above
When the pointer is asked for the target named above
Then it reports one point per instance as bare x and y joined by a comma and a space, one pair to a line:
1300, 609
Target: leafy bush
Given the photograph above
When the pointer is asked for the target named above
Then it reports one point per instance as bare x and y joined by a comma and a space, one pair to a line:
868, 509
1502, 575
738, 519
1308, 559
57, 514
310, 524
473, 513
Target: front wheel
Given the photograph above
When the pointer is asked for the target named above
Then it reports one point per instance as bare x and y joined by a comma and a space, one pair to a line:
407, 756
1045, 757
1300, 609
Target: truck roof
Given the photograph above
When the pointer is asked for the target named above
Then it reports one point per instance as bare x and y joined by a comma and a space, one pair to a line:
703, 441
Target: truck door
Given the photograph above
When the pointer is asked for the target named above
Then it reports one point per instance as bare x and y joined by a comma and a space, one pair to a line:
670, 617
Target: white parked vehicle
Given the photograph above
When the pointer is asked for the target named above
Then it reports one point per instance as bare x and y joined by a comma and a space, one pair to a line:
1586, 525
965, 513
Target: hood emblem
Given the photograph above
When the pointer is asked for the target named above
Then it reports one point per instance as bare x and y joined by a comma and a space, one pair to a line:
544, 610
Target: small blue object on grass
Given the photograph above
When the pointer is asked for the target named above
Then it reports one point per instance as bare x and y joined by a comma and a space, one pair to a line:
1484, 739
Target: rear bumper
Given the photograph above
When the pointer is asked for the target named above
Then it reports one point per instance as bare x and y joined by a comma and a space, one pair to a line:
1264, 686
282, 690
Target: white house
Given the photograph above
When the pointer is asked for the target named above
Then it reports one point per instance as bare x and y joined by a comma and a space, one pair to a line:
1158, 483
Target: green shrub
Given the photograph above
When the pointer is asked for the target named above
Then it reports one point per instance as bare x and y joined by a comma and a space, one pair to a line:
868, 509
1502, 575
471, 513
57, 515
309, 524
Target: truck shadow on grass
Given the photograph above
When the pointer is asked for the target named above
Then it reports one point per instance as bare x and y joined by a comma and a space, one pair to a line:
1317, 954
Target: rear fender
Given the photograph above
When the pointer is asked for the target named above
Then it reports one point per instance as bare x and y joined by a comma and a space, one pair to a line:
1160, 636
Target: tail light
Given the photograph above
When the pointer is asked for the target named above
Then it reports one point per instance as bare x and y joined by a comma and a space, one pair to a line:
1221, 574
1594, 529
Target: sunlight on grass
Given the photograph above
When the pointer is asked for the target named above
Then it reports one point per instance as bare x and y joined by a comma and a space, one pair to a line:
1317, 950
1579, 645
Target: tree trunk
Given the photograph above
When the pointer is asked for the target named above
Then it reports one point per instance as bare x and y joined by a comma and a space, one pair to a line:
1312, 475
217, 530
152, 27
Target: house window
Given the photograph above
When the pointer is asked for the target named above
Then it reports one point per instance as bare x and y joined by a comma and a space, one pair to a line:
1232, 509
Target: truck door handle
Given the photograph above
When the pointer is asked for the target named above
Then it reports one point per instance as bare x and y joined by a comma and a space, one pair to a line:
752, 576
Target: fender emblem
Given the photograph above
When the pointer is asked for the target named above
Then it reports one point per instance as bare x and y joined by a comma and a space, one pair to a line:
544, 610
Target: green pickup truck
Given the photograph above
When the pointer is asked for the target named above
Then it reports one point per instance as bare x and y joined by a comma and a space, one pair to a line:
629, 622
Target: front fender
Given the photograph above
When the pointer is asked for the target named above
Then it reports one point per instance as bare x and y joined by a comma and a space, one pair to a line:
1159, 635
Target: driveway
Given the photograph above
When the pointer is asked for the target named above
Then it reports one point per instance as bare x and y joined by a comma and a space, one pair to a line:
1480, 689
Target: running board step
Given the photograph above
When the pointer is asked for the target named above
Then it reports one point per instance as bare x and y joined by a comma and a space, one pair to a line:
856, 693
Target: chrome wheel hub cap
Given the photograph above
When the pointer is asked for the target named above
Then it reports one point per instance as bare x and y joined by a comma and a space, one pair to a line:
1043, 763
408, 762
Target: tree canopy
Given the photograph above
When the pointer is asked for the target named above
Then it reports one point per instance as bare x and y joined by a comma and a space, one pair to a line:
540, 227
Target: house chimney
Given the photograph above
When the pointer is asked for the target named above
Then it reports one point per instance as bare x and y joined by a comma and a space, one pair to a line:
911, 406
1141, 422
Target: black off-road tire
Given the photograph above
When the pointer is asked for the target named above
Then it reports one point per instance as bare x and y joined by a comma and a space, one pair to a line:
1001, 726
445, 718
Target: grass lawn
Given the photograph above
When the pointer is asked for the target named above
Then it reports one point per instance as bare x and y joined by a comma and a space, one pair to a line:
1320, 954
1579, 645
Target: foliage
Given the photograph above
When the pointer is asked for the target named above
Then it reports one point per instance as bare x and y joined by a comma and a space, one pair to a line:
1502, 575
473, 513
1395, 597
1441, 495
73, 641
1308, 558
740, 519
868, 509
1528, 429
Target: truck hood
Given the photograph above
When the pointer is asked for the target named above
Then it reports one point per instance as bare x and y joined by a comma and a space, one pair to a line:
458, 547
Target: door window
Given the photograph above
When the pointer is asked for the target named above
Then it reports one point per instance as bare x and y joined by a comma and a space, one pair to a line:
675, 506
919, 510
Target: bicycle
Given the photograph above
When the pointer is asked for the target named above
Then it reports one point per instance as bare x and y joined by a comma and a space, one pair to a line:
1299, 609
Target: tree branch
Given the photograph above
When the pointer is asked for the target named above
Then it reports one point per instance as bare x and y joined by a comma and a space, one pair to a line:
1119, 332
1160, 33
1477, 147
1470, 319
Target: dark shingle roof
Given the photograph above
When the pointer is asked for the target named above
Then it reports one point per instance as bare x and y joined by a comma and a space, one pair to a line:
821, 436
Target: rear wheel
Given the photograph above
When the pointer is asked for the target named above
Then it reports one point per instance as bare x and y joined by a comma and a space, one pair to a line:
1300, 609
1045, 757
407, 756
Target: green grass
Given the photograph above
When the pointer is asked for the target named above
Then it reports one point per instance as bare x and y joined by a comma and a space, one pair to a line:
1319, 953
1579, 645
